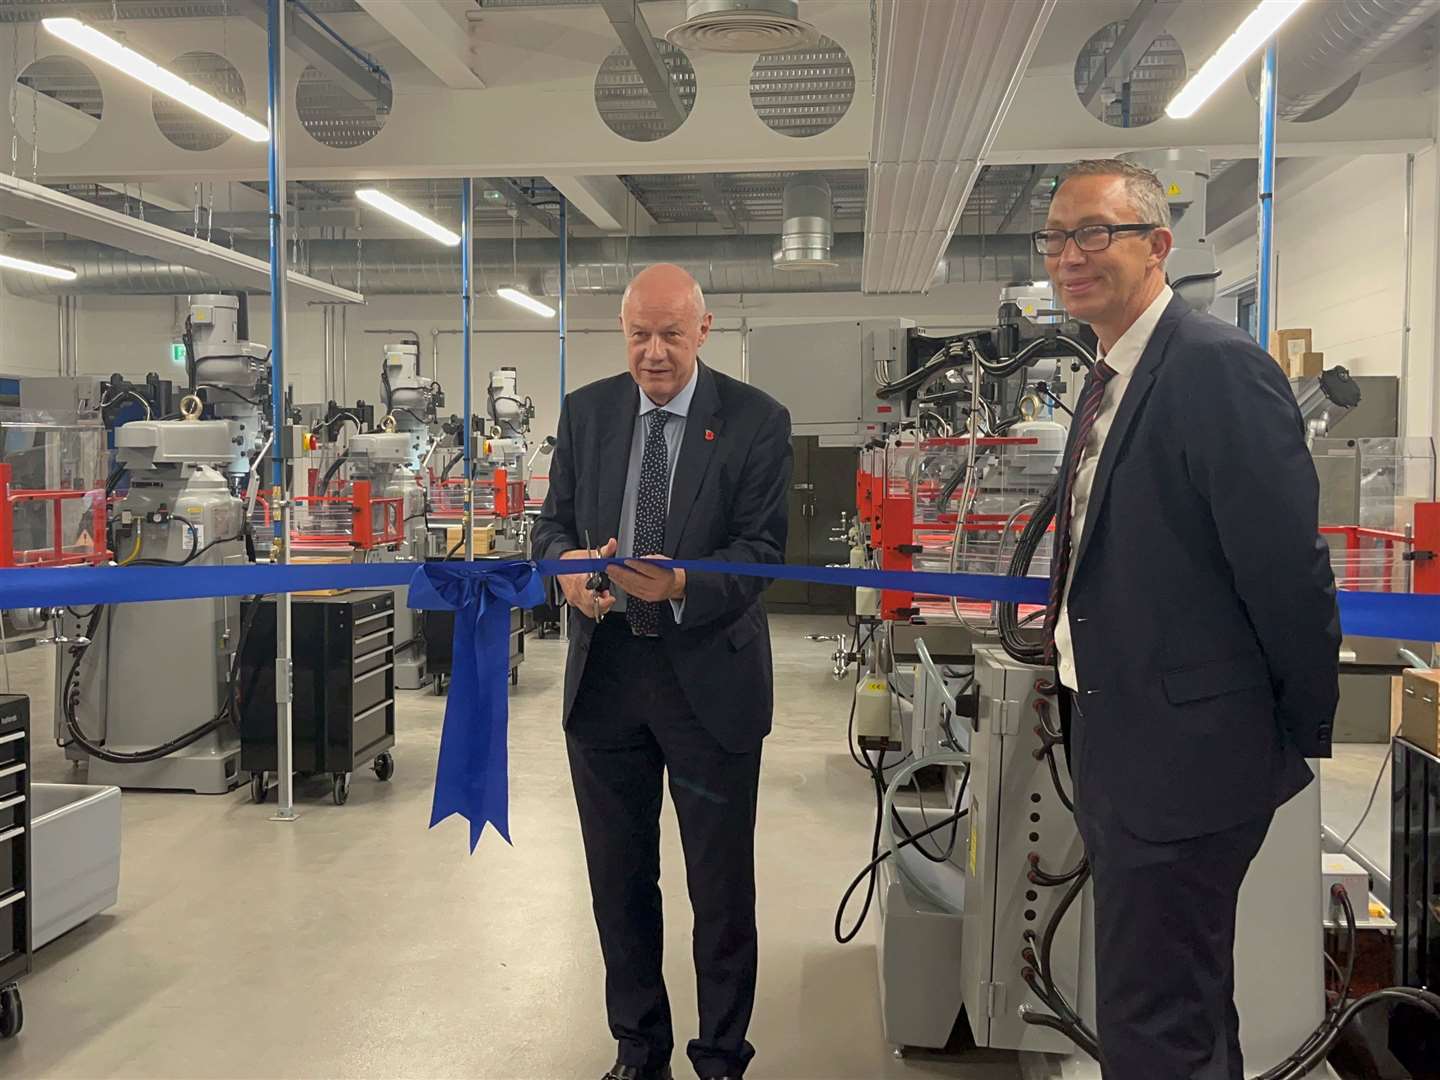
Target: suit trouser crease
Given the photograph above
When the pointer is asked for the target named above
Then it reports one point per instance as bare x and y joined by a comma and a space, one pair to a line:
630, 725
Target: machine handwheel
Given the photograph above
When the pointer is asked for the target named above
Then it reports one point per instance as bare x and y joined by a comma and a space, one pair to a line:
259, 786
384, 766
12, 1012
341, 789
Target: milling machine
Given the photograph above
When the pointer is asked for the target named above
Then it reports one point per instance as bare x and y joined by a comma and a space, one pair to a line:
143, 691
393, 461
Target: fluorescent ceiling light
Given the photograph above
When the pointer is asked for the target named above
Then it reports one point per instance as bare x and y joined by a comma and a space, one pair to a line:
400, 212
525, 300
127, 60
1252, 34
9, 262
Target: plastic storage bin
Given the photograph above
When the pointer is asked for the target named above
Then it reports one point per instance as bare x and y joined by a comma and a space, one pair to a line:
76, 857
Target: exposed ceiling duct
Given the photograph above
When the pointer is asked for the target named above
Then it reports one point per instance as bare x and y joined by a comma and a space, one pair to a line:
807, 233
1326, 45
945, 76
722, 265
743, 26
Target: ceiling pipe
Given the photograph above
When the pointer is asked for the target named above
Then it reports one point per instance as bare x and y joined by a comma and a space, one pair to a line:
1326, 45
807, 233
602, 265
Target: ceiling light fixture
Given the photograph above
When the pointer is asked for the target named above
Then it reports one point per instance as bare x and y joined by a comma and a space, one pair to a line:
525, 300
1251, 35
400, 212
60, 273
127, 60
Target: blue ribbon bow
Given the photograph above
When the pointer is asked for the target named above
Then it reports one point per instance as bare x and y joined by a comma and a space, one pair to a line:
472, 773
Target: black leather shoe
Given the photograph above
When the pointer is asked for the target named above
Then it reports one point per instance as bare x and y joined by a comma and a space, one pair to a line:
630, 1072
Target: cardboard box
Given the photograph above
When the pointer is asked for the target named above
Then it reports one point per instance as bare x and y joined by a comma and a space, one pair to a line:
1290, 346
484, 538
1309, 364
1420, 709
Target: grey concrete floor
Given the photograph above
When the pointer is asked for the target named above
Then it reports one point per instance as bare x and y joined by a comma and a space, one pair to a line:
354, 942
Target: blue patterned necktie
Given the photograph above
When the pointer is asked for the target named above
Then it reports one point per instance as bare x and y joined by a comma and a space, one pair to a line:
651, 503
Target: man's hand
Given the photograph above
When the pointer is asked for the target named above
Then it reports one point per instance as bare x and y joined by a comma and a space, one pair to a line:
642, 579
583, 600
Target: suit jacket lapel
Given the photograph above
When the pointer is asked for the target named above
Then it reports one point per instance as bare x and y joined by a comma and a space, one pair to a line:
617, 433
1135, 394
702, 433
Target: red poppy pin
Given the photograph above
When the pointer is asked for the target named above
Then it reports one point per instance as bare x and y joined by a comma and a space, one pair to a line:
709, 435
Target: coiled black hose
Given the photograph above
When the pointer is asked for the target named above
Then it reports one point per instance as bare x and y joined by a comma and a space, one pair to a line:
1019, 648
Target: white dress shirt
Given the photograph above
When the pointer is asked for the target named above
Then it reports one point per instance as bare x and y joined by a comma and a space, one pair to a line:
1124, 358
679, 409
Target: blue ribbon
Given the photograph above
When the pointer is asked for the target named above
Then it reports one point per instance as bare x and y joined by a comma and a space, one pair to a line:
472, 772
472, 776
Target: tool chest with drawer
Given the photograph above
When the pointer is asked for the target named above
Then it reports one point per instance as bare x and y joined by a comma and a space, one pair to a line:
343, 714
15, 858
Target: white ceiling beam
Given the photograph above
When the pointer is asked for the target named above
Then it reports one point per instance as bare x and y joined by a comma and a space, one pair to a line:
945, 77
1146, 23
432, 35
63, 213
357, 76
605, 201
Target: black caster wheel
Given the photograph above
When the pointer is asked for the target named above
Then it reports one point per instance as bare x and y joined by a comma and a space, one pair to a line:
259, 787
515, 676
341, 788
12, 1012
384, 767
437, 685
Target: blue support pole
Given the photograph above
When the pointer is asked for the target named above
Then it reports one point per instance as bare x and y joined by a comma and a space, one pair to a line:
467, 263
279, 497
564, 294
1265, 274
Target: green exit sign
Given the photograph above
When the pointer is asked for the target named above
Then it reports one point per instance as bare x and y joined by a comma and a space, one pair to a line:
177, 352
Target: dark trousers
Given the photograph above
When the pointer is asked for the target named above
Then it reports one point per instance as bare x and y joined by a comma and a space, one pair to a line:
631, 724
1165, 948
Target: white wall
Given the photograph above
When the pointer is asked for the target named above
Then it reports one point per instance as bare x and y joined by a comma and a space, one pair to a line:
132, 334
1341, 265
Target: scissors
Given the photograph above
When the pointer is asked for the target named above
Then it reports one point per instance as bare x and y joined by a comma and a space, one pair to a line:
597, 582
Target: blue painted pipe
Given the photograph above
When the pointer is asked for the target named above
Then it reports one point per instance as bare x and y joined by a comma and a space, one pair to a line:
1265, 276
275, 10
467, 263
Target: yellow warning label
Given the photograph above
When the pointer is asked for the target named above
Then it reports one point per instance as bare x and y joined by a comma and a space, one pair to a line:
974, 844
1173, 191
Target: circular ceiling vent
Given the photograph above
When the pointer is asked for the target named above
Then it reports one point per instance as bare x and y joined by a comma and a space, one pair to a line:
743, 26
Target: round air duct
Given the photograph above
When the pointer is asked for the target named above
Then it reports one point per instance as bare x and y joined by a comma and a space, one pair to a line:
743, 26
807, 235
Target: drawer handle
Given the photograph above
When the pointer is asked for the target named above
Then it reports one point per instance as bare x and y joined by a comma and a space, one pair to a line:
372, 618
10, 834
375, 708
13, 898
12, 802
376, 652
379, 670
372, 637
12, 770
14, 736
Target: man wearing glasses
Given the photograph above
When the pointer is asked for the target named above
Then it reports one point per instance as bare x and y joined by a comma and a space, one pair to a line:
1193, 624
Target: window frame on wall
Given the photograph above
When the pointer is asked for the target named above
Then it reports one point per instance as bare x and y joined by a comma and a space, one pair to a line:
1239, 304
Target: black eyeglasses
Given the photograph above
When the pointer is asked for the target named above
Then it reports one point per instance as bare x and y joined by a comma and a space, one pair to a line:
1087, 237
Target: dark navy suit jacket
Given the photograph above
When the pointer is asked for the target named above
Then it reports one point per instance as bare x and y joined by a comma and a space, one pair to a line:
1202, 602
729, 502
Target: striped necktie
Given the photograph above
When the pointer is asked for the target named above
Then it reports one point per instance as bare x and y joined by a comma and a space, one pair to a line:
1085, 416
652, 502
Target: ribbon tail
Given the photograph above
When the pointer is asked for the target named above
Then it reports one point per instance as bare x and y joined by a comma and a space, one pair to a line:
470, 775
